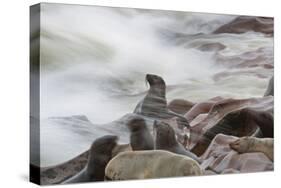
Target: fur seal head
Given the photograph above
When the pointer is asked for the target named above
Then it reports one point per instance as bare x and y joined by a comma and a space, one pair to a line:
136, 124
155, 80
157, 85
103, 145
242, 145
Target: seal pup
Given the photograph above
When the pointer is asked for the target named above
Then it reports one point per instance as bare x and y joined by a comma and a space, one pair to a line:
140, 138
99, 156
252, 144
150, 164
154, 104
166, 140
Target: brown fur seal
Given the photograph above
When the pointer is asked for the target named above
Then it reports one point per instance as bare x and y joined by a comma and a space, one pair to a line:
99, 156
140, 138
61, 172
154, 104
150, 164
166, 140
253, 144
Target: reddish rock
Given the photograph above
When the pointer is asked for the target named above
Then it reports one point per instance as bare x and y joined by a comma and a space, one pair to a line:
180, 106
221, 159
235, 117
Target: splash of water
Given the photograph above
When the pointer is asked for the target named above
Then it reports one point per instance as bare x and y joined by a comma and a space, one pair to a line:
94, 61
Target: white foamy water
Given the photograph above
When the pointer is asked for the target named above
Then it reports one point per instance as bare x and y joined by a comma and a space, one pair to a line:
94, 61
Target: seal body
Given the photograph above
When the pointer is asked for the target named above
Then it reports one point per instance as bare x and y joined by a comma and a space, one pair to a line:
150, 164
253, 144
166, 140
154, 104
99, 155
140, 138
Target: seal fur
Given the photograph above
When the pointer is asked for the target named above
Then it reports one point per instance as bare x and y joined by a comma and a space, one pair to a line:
150, 164
140, 137
252, 144
166, 140
99, 156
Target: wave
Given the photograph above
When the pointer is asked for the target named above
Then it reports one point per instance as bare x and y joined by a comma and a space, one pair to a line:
96, 58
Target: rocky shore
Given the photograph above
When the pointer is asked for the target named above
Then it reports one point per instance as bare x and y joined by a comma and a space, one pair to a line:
214, 125
214, 130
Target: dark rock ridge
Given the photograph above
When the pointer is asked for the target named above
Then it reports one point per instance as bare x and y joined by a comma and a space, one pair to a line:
244, 24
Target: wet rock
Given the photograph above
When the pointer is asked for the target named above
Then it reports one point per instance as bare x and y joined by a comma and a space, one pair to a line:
233, 117
180, 106
211, 47
244, 24
220, 158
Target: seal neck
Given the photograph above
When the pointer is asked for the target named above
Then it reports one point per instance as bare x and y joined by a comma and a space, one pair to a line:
160, 92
